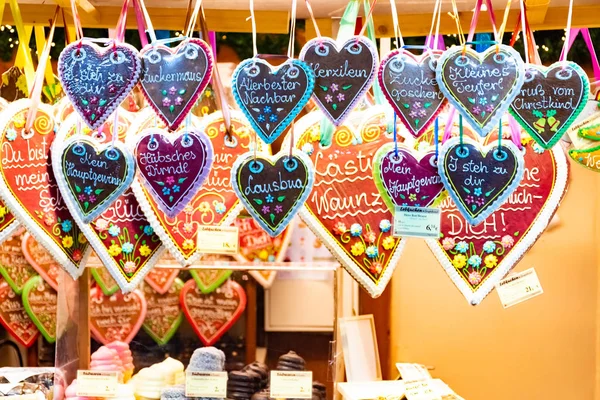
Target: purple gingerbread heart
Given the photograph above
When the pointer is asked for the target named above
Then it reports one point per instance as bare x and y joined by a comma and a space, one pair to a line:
173, 166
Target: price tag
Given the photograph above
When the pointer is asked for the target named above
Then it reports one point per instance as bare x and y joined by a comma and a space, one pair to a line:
218, 239
206, 384
422, 222
421, 390
412, 372
291, 385
518, 287
97, 383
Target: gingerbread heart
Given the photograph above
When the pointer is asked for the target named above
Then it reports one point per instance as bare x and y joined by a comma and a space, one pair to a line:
409, 84
173, 78
550, 100
8, 223
476, 259
28, 185
164, 314
479, 179
343, 74
97, 79
271, 98
345, 210
481, 85
121, 236
161, 279
91, 176
405, 180
43, 263
14, 267
209, 280
215, 203
39, 301
591, 130
172, 167
273, 188
211, 315
103, 278
116, 317
14, 318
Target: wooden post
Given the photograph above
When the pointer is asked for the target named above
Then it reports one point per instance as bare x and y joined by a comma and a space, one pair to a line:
250, 320
83, 323
338, 361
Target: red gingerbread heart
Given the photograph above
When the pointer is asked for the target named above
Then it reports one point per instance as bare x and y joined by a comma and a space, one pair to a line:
214, 204
345, 209
40, 260
14, 318
13, 265
211, 315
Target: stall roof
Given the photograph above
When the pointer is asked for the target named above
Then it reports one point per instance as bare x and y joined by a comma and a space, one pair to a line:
272, 16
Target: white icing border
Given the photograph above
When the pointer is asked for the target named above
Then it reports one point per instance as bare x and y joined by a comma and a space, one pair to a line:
519, 250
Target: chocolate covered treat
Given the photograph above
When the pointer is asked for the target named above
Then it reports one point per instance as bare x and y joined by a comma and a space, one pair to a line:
242, 385
290, 362
321, 389
262, 370
262, 395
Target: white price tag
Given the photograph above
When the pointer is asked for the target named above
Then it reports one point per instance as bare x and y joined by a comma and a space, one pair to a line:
218, 239
518, 287
97, 383
412, 372
423, 222
291, 385
422, 390
206, 384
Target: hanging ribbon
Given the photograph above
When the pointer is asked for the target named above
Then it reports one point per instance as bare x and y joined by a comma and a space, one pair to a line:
23, 43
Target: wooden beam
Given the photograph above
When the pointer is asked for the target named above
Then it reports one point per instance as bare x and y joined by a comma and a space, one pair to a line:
85, 7
166, 18
537, 10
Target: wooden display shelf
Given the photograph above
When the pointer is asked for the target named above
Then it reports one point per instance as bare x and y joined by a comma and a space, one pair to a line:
272, 16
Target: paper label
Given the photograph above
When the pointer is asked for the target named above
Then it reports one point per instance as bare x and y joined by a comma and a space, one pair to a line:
422, 222
516, 288
97, 383
412, 372
291, 385
218, 239
421, 390
206, 384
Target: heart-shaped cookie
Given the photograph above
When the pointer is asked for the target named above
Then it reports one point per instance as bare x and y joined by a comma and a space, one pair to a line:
345, 209
405, 180
14, 267
14, 318
256, 245
172, 79
28, 186
481, 85
476, 259
209, 280
273, 188
343, 73
591, 130
103, 278
121, 236
97, 79
410, 86
215, 203
479, 179
116, 317
91, 176
550, 100
173, 166
272, 97
164, 314
43, 263
211, 315
161, 279
39, 301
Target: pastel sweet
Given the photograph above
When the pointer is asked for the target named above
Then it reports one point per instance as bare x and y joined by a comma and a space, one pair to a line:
207, 359
105, 359
124, 392
71, 392
149, 383
124, 353
173, 393
174, 371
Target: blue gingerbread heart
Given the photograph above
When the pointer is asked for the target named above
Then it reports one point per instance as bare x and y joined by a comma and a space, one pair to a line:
271, 97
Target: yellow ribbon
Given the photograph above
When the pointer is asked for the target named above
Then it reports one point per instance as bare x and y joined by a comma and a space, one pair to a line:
24, 37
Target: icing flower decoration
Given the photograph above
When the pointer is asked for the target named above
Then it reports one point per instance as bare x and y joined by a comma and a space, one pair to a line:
81, 238
341, 97
127, 248
489, 246
188, 227
489, 108
148, 230
11, 134
385, 225
490, 261
412, 197
188, 244
329, 98
269, 198
476, 110
129, 267
308, 148
278, 209
3, 211
114, 230
145, 250
376, 268
537, 148
357, 249
66, 225
315, 135
507, 241
266, 209
388, 243
355, 230
475, 278
170, 180
370, 237
49, 219
114, 250
67, 242
372, 251
477, 191
220, 208
448, 243
204, 207
461, 247
334, 87
101, 224
76, 256
459, 261
339, 228
475, 261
